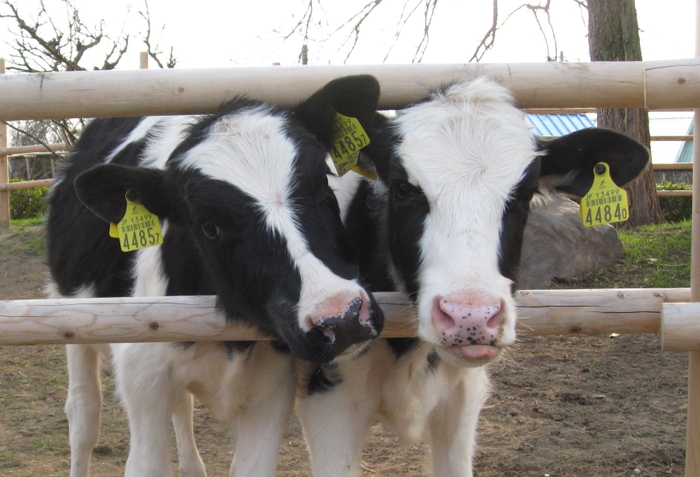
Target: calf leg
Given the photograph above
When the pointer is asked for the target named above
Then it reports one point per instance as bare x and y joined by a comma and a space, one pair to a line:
147, 392
83, 406
452, 425
190, 463
336, 422
263, 420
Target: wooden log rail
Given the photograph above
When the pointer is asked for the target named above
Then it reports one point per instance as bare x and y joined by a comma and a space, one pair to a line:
12, 151
143, 319
668, 85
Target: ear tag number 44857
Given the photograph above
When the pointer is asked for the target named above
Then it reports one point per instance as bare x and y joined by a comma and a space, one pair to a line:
605, 203
138, 229
348, 138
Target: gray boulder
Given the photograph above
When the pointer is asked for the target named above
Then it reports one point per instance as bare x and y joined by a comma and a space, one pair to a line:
557, 245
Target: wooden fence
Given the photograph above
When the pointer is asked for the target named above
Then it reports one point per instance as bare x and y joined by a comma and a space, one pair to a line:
655, 85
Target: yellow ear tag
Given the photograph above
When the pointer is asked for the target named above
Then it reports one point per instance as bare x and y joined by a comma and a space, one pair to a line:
138, 229
348, 138
605, 203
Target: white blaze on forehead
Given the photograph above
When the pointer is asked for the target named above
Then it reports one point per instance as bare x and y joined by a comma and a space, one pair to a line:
251, 151
467, 145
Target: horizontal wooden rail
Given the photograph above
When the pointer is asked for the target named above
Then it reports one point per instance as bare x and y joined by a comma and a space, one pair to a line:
669, 85
671, 138
27, 184
142, 319
680, 326
676, 166
10, 151
674, 193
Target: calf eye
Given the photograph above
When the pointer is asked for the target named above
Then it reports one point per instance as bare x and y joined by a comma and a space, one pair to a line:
210, 230
403, 190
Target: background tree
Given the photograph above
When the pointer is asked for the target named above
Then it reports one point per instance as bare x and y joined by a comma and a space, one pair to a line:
42, 41
613, 35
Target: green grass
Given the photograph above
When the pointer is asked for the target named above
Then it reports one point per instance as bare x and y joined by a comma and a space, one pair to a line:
27, 222
26, 236
656, 256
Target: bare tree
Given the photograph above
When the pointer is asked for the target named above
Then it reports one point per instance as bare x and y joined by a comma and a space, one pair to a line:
313, 22
42, 42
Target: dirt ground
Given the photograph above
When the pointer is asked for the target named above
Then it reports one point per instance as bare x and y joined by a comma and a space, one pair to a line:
562, 406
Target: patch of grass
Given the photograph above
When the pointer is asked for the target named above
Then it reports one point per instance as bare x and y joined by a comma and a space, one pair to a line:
27, 239
8, 460
28, 222
656, 256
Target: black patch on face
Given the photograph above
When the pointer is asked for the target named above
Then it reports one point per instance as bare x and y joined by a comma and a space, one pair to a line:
514, 220
318, 214
323, 378
248, 262
408, 209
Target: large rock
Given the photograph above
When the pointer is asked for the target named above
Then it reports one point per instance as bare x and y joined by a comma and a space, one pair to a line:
557, 245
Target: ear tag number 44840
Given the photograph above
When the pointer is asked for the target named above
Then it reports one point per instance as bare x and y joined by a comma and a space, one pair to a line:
605, 202
138, 229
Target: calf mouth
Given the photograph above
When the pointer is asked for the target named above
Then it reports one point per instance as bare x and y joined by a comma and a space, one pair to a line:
471, 356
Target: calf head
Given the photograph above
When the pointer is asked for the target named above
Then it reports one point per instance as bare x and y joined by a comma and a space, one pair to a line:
249, 187
460, 171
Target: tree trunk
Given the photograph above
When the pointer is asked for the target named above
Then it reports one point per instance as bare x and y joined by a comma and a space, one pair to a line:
613, 35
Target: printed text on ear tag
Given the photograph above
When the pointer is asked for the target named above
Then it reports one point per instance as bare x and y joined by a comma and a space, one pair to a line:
138, 229
348, 138
605, 203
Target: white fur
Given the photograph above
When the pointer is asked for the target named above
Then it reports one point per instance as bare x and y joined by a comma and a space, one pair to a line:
466, 149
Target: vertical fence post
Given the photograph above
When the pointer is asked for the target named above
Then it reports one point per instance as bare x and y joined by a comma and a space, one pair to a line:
692, 442
4, 171
143, 60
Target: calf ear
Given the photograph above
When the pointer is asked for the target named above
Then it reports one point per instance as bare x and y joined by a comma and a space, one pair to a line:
353, 96
103, 188
569, 160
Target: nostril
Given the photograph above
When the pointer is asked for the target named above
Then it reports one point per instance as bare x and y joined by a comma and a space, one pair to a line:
441, 319
497, 318
495, 321
328, 333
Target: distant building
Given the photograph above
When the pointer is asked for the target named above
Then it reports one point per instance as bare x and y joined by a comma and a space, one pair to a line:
685, 153
558, 124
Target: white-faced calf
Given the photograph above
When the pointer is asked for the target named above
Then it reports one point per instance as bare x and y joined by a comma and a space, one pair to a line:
247, 215
444, 224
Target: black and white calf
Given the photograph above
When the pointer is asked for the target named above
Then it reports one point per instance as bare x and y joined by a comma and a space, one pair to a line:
444, 224
248, 215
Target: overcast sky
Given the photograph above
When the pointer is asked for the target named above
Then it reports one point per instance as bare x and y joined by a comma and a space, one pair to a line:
238, 33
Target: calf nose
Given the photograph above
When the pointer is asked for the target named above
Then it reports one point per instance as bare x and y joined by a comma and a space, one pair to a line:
473, 320
344, 323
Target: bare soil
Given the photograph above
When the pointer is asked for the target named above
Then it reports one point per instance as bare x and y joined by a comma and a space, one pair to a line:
560, 406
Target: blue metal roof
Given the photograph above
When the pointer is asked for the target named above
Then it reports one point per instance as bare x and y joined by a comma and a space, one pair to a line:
558, 124
685, 153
